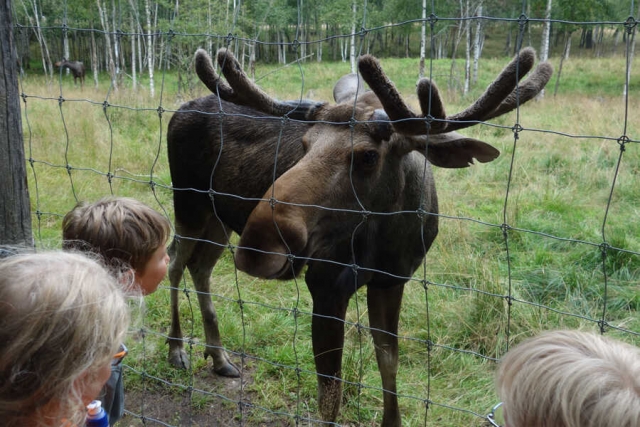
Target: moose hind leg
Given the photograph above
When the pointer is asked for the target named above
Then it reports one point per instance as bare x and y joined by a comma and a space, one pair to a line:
384, 310
200, 266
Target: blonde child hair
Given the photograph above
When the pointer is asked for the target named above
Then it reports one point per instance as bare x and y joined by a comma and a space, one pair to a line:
124, 231
570, 379
62, 318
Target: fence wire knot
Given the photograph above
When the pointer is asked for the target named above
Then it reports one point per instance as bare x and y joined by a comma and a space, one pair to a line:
291, 258
421, 212
516, 129
602, 324
630, 24
273, 202
433, 18
604, 247
425, 284
430, 346
523, 20
160, 111
623, 141
60, 100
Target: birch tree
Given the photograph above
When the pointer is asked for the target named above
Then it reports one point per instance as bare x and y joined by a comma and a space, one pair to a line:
467, 61
104, 21
477, 42
352, 51
147, 10
546, 32
423, 38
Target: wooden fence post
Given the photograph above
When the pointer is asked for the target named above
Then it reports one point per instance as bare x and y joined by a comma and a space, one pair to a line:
15, 213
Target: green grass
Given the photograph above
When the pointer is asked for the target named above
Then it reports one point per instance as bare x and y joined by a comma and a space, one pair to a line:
559, 175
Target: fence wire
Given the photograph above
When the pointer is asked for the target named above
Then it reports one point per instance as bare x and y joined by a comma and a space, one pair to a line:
158, 394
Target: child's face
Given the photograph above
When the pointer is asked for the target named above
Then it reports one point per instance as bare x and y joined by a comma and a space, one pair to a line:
90, 384
154, 271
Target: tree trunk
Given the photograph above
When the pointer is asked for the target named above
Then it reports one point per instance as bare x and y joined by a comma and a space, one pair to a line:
546, 33
423, 38
477, 43
134, 76
467, 60
14, 191
107, 39
65, 45
565, 55
94, 58
44, 49
352, 51
456, 43
147, 11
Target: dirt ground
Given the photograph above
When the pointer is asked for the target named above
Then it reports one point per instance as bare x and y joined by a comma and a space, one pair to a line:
214, 401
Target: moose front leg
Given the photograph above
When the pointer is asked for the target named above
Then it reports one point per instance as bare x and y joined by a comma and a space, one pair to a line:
384, 310
327, 335
201, 264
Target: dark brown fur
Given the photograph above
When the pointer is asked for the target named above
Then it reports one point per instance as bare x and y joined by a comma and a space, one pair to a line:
354, 200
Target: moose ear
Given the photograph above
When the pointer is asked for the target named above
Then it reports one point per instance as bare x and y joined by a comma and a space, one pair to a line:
458, 152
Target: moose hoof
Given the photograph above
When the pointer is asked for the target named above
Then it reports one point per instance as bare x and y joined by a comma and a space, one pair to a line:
179, 359
227, 369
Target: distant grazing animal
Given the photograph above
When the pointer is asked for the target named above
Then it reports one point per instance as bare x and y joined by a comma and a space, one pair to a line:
76, 67
345, 189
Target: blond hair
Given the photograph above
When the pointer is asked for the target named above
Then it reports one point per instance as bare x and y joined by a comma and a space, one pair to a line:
62, 318
570, 379
124, 231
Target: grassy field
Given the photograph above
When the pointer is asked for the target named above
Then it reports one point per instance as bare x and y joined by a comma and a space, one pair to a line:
566, 190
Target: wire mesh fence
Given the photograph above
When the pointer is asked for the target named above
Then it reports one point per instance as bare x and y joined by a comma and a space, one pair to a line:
544, 237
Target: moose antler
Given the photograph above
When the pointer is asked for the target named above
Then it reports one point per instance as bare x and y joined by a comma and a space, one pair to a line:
241, 90
503, 95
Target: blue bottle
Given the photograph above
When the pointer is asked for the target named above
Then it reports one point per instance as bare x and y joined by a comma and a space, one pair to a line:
96, 415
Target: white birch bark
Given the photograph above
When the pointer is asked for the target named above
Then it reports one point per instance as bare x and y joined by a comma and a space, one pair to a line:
94, 58
546, 33
133, 52
477, 43
147, 11
105, 26
423, 39
352, 51
467, 62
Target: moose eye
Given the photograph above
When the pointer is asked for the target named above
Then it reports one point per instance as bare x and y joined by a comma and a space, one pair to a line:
370, 158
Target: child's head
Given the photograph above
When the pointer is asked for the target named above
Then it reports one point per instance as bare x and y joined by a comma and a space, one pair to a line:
62, 319
125, 232
570, 379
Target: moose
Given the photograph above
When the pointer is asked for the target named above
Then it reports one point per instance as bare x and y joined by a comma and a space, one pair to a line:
344, 189
76, 67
